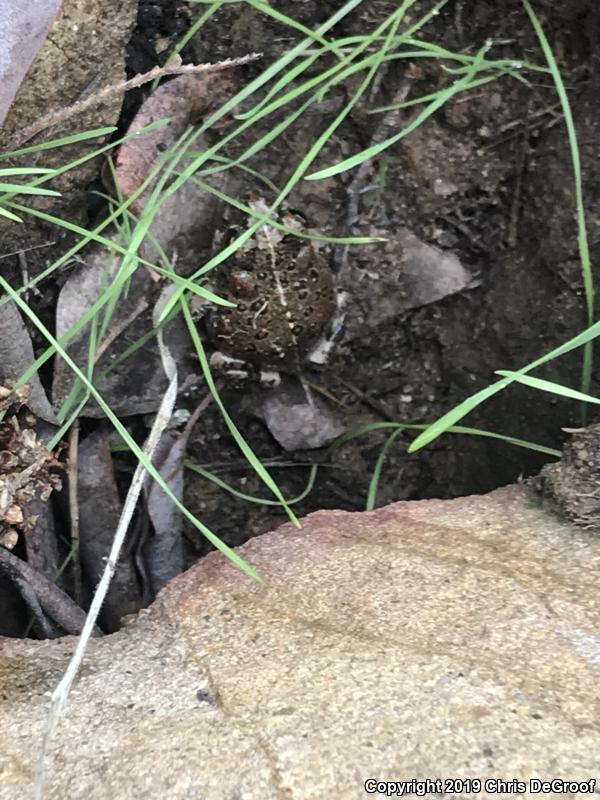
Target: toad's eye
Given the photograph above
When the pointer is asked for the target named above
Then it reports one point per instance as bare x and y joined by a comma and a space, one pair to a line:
242, 283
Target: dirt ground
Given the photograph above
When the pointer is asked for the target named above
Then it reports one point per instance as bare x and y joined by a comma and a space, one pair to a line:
488, 180
508, 216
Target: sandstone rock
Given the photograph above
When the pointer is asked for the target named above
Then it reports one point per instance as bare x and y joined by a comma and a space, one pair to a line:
23, 28
84, 35
425, 639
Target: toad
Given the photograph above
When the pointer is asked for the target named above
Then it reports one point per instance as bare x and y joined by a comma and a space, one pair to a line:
285, 298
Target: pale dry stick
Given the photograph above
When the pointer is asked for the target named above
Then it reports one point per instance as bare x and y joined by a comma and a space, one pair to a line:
120, 88
73, 472
23, 264
533, 122
531, 115
102, 348
61, 692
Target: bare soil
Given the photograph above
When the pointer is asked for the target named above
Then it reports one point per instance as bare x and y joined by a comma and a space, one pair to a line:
506, 208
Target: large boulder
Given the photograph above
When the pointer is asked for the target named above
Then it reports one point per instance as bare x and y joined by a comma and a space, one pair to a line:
432, 639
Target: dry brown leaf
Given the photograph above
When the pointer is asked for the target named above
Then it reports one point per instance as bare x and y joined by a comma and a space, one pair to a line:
16, 355
184, 101
99, 512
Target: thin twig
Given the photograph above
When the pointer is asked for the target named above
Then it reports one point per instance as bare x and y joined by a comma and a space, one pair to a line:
119, 88
515, 207
26, 250
390, 122
315, 387
73, 471
377, 405
118, 329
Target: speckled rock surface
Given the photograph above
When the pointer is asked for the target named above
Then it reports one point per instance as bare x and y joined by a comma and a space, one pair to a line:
83, 52
432, 639
23, 28
86, 35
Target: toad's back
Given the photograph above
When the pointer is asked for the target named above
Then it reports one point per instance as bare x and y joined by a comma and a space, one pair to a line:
285, 298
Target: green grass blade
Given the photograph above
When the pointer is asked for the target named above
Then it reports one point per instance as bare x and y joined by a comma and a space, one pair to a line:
62, 142
289, 56
376, 476
268, 10
9, 215
584, 252
94, 154
426, 98
190, 33
74, 228
248, 497
538, 448
86, 236
245, 448
5, 171
269, 220
374, 150
549, 386
16, 188
453, 416
286, 79
458, 429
